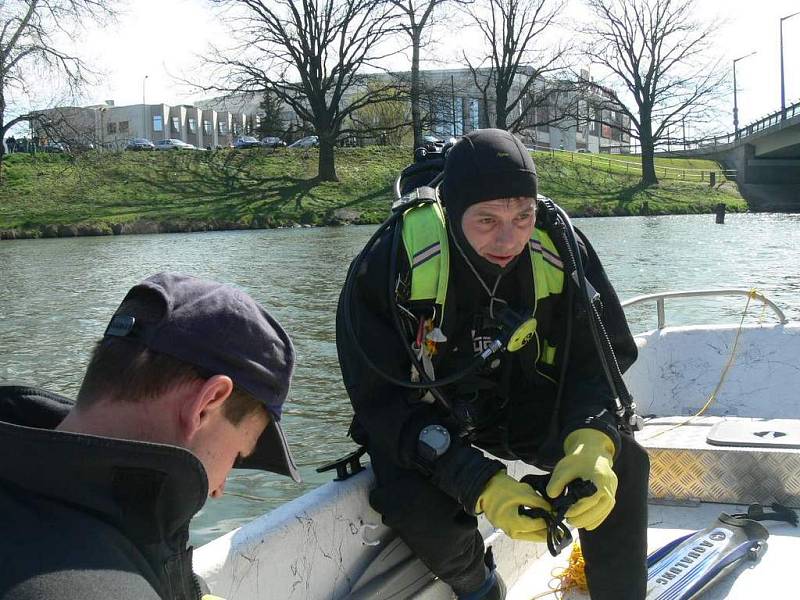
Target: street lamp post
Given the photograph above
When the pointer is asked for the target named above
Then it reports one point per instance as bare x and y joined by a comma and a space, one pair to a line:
735, 105
144, 108
102, 128
683, 124
783, 88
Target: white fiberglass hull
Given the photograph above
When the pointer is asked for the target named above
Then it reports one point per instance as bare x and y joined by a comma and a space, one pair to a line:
319, 546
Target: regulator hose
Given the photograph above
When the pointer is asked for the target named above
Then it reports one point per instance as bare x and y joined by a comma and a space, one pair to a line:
602, 342
347, 296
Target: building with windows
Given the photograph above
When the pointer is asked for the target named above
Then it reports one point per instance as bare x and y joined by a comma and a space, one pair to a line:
112, 127
554, 114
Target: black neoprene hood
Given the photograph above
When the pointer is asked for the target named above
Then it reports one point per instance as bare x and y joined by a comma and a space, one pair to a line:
486, 164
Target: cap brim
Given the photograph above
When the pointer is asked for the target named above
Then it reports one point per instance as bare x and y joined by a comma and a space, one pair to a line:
272, 454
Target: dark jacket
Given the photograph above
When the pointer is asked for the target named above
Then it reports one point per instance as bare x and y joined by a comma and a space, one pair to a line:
506, 409
85, 517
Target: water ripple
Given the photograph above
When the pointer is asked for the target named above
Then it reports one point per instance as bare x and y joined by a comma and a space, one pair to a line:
56, 296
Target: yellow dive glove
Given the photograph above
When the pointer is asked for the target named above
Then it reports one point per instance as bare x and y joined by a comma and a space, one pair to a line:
588, 455
500, 502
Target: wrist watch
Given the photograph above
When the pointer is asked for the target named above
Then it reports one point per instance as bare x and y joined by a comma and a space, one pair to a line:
434, 440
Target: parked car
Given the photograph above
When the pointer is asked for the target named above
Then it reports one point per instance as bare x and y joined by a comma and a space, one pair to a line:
54, 147
173, 144
77, 145
272, 141
246, 141
139, 144
433, 143
310, 141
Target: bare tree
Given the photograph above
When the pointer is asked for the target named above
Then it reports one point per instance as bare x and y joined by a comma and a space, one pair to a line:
660, 65
516, 58
417, 16
73, 128
310, 54
30, 34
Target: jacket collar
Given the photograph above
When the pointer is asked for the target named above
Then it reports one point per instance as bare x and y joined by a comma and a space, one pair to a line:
149, 491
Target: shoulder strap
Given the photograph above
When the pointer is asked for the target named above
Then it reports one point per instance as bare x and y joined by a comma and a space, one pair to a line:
425, 241
548, 268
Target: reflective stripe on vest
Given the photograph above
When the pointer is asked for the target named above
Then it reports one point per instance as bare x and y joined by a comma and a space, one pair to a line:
425, 240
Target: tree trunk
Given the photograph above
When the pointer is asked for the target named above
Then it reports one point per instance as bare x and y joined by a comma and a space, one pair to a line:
648, 165
485, 111
501, 110
327, 162
2, 146
648, 151
416, 116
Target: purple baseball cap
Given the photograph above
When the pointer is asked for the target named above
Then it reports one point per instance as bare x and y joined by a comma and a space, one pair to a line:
223, 331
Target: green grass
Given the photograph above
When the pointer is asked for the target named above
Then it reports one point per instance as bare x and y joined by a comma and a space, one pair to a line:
681, 169
258, 188
598, 190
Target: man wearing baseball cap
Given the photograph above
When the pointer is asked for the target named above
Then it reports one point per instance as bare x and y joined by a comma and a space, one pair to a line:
483, 264
188, 380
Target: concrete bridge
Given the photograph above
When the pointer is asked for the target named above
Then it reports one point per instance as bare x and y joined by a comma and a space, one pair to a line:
766, 157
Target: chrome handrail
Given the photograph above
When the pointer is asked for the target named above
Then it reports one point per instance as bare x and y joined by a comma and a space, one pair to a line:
660, 297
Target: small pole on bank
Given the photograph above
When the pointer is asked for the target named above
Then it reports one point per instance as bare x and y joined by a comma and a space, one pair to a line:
720, 212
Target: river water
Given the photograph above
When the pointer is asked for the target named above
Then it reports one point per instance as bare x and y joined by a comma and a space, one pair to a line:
56, 297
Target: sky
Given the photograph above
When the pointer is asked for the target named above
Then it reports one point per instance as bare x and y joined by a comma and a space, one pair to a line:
157, 43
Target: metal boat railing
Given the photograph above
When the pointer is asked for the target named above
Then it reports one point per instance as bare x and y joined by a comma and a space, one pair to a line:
661, 297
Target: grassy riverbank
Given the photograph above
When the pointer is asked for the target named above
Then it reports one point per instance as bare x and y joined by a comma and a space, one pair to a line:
49, 195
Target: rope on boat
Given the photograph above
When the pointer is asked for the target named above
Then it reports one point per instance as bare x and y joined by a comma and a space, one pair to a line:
573, 576
713, 396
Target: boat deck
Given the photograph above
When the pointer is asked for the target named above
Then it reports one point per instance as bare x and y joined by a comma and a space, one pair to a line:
767, 578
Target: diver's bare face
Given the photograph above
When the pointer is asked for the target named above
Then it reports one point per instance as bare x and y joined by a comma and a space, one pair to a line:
498, 230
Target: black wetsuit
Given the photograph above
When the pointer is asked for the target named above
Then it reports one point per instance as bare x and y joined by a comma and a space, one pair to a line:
506, 408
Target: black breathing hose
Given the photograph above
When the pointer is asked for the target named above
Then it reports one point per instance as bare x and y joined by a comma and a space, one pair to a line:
426, 382
600, 337
423, 375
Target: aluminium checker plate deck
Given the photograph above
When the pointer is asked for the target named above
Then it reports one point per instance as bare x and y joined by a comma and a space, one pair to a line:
684, 467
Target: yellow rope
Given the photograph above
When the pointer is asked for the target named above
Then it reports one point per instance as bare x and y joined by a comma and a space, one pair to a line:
713, 396
574, 574
571, 577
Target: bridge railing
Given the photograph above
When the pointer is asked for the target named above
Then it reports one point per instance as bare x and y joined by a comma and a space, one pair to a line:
770, 120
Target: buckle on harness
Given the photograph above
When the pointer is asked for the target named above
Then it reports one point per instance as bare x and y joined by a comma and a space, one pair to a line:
420, 195
627, 417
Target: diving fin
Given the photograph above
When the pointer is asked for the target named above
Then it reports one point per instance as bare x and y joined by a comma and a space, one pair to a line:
694, 562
